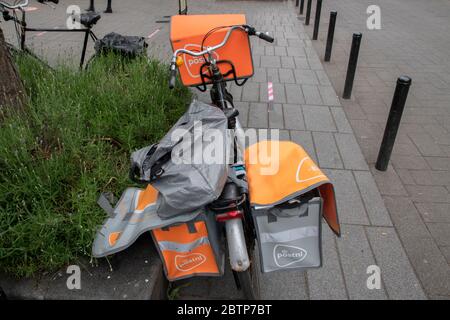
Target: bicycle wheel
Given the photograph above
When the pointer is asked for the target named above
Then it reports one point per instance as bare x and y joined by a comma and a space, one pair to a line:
249, 280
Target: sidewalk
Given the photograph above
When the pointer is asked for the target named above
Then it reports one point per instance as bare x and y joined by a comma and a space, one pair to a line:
307, 111
414, 41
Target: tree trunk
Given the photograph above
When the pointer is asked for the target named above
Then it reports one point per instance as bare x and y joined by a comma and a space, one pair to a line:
12, 92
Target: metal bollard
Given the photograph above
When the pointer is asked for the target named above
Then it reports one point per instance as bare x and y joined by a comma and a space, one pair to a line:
317, 19
330, 36
296, 3
352, 62
308, 12
302, 6
109, 7
91, 6
395, 115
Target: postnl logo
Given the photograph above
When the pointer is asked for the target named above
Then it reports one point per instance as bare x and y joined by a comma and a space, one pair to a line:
193, 64
189, 262
285, 256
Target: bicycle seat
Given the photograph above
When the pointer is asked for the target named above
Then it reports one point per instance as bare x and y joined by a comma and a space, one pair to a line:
89, 19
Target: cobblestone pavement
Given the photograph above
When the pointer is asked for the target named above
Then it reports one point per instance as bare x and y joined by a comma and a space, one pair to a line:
413, 41
307, 111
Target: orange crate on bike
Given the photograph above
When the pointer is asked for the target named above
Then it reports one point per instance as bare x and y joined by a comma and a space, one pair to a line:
188, 32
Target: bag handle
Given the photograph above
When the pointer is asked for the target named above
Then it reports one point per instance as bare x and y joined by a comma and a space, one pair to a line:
275, 212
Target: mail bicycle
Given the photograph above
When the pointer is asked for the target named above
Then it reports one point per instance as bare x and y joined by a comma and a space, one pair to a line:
232, 207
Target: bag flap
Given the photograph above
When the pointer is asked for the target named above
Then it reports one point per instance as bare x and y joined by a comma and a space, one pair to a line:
278, 171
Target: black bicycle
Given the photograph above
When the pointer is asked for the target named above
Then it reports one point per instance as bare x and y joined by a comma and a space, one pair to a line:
9, 13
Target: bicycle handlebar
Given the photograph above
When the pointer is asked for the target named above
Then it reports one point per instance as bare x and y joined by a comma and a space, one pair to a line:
250, 30
24, 4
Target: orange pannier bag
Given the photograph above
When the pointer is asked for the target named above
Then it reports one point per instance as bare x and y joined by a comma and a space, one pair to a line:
191, 249
188, 32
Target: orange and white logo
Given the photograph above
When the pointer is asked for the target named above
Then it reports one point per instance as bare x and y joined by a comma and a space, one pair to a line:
188, 262
193, 64
307, 170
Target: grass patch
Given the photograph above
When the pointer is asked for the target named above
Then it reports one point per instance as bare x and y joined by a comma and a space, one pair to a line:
74, 143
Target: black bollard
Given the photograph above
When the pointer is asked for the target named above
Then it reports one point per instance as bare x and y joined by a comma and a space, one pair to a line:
302, 6
395, 115
308, 12
352, 62
91, 6
109, 7
296, 3
317, 20
182, 7
330, 36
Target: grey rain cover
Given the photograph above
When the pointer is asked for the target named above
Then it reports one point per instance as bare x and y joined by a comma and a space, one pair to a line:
188, 182
125, 224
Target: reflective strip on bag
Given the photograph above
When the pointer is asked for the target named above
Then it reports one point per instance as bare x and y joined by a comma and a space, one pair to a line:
289, 235
182, 247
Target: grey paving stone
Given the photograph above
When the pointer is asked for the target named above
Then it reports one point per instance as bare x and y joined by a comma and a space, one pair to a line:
323, 78
426, 144
288, 285
312, 95
406, 218
304, 138
341, 120
440, 232
287, 62
286, 76
437, 163
329, 96
270, 62
399, 277
301, 63
409, 162
327, 151
294, 94
428, 193
375, 207
348, 198
272, 75
305, 76
251, 92
276, 117
446, 252
428, 177
318, 118
258, 116
270, 51
350, 152
280, 51
388, 182
293, 117
296, 52
429, 263
327, 282
259, 75
356, 256
434, 212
